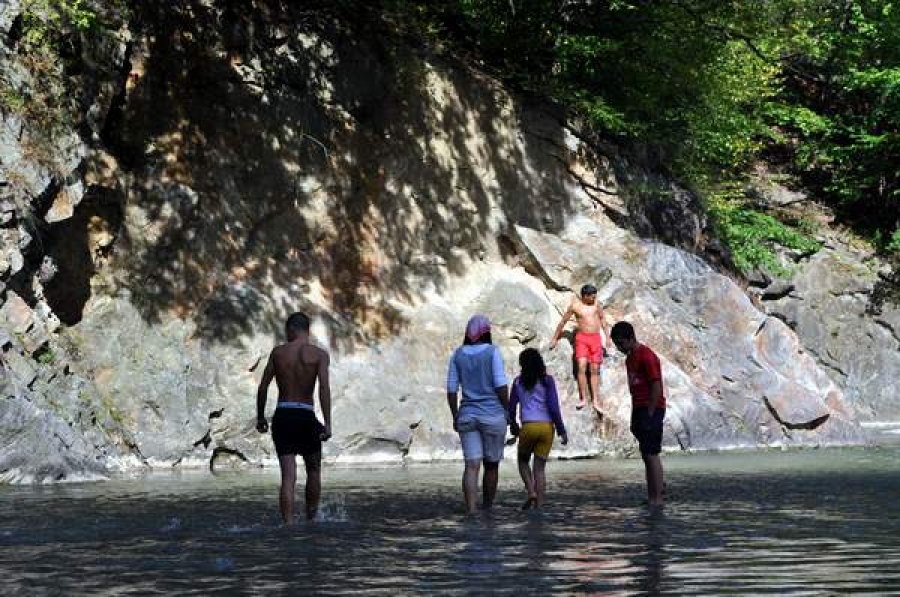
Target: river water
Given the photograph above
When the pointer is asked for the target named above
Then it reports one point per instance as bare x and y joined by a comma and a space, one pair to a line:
818, 522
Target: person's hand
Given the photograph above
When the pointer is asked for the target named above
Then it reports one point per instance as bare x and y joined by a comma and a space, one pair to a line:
262, 425
564, 438
553, 343
325, 435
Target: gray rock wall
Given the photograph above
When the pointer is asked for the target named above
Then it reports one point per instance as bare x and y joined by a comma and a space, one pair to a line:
829, 303
232, 168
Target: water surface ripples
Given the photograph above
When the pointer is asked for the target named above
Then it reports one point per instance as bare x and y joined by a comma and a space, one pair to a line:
799, 523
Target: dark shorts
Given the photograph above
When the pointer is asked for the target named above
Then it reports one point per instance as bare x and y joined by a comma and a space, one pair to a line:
296, 431
648, 431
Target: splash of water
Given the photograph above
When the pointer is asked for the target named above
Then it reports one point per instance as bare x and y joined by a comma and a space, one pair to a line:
333, 511
174, 524
223, 564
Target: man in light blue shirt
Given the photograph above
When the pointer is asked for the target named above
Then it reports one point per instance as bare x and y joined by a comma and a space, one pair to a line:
480, 418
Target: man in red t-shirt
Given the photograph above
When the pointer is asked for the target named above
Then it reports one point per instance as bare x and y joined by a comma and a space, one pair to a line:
648, 404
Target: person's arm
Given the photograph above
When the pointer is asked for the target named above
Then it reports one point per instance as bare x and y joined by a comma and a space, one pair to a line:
499, 375
325, 394
513, 404
608, 345
654, 374
503, 395
553, 407
453, 403
655, 395
562, 324
262, 393
453, 390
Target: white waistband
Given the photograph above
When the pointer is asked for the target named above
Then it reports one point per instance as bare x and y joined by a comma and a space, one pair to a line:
286, 404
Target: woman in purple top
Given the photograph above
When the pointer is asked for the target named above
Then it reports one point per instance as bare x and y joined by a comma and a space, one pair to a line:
535, 391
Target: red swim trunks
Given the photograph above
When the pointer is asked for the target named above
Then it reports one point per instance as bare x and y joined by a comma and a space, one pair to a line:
589, 345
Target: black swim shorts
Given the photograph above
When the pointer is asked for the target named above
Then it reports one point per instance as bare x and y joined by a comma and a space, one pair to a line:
296, 431
648, 430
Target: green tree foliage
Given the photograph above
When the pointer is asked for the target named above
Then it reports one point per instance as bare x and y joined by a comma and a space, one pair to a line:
51, 40
48, 24
689, 76
754, 236
44, 34
839, 113
714, 86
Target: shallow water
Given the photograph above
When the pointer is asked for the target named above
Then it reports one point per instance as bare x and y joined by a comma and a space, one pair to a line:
801, 523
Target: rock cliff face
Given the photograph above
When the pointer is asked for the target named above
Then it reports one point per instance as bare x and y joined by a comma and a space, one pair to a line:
832, 303
230, 167
842, 303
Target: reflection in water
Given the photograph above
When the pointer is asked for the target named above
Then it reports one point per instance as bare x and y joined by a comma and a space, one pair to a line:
806, 523
649, 561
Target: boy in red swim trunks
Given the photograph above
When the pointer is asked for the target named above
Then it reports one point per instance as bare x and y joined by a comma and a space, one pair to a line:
589, 343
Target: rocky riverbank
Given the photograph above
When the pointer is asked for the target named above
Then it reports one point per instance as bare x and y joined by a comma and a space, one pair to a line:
223, 170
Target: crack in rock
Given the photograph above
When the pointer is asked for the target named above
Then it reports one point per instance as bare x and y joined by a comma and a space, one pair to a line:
808, 425
775, 292
889, 328
205, 440
759, 329
791, 323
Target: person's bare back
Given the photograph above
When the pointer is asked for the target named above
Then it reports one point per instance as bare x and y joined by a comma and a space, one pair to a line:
296, 368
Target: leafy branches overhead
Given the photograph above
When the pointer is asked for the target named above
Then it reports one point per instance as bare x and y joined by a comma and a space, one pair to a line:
810, 86
813, 86
843, 130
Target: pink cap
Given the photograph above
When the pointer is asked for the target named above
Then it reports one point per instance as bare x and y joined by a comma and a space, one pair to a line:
478, 326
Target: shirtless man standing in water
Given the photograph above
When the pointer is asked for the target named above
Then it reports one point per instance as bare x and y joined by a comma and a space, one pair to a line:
296, 366
589, 344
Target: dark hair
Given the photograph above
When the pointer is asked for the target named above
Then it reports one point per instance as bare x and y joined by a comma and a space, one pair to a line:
533, 368
485, 338
297, 322
622, 331
588, 289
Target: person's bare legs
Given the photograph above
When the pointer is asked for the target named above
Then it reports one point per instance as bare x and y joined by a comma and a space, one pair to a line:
595, 386
528, 480
288, 464
470, 485
313, 492
489, 483
653, 467
582, 383
540, 479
